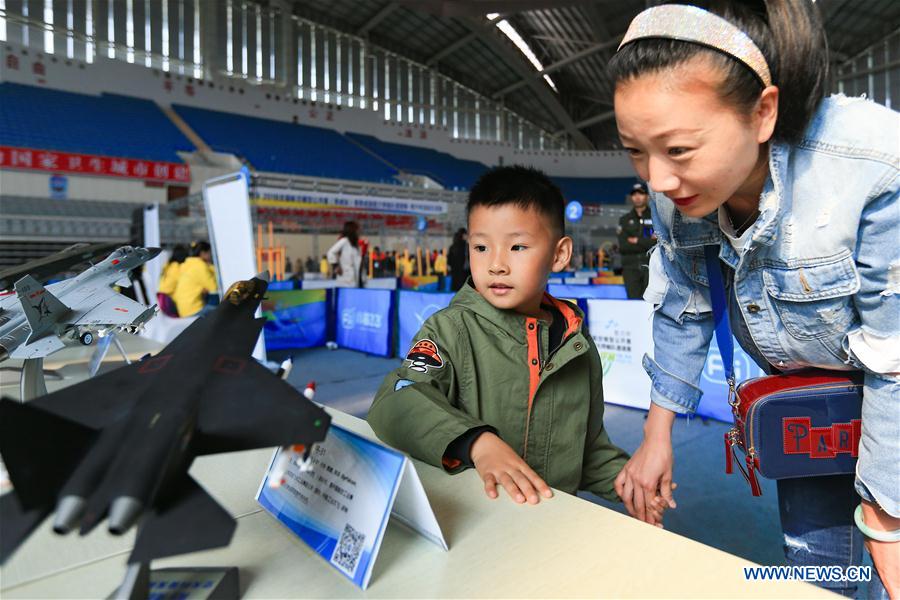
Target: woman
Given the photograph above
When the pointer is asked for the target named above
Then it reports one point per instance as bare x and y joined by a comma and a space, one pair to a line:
169, 279
344, 256
725, 117
196, 280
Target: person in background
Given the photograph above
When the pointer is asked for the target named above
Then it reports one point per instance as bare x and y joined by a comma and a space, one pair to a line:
344, 256
310, 264
323, 266
390, 264
297, 271
196, 280
169, 280
407, 266
377, 261
458, 260
636, 239
440, 269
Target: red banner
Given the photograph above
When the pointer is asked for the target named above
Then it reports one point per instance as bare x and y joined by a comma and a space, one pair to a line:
88, 164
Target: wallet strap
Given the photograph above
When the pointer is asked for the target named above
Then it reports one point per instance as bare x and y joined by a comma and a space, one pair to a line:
720, 315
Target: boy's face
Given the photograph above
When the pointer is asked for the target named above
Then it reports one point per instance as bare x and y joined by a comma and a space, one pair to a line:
511, 254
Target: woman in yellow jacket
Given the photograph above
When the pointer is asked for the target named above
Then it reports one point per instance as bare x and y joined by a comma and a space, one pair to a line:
169, 281
170, 273
196, 279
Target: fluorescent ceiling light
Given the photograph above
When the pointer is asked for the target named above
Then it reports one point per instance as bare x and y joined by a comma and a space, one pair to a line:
510, 32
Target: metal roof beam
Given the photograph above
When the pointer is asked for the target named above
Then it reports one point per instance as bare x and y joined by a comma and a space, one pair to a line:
558, 65
380, 16
463, 41
487, 34
598, 118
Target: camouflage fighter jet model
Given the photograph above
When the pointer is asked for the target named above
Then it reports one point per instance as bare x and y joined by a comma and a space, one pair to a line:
36, 321
119, 446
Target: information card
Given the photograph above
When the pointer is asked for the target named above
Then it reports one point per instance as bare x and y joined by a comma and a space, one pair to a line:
340, 507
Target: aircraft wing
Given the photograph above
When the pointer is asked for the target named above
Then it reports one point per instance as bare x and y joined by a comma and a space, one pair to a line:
99, 401
245, 406
39, 349
47, 266
114, 309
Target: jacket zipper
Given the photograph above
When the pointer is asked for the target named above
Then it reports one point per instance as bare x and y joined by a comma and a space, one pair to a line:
540, 365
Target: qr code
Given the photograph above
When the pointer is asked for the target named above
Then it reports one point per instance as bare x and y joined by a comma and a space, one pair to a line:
346, 553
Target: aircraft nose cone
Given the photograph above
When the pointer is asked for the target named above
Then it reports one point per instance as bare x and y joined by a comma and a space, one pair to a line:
153, 252
123, 513
68, 513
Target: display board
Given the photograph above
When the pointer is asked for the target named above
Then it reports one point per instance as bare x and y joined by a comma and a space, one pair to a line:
363, 320
413, 308
623, 332
340, 506
615, 292
152, 268
296, 319
423, 283
227, 204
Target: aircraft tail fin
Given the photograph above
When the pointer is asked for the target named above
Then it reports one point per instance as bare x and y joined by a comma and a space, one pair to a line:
42, 309
186, 519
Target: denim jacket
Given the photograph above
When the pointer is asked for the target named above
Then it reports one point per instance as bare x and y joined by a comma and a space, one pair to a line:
818, 283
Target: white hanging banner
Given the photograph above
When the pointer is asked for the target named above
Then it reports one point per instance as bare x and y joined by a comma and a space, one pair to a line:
227, 203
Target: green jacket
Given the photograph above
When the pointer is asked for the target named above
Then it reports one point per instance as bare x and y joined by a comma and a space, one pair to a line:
474, 365
633, 226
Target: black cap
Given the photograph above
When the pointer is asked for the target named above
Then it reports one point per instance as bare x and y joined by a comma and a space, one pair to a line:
638, 187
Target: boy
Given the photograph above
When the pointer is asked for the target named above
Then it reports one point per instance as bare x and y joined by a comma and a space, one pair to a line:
506, 379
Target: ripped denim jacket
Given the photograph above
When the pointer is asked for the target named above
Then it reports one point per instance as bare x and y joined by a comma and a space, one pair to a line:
818, 284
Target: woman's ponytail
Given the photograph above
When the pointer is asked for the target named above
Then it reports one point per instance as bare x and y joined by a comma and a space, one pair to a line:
801, 69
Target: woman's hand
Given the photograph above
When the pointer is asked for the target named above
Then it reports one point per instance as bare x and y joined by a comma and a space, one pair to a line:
885, 555
648, 473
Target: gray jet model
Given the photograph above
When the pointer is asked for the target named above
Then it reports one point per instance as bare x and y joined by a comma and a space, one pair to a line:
36, 321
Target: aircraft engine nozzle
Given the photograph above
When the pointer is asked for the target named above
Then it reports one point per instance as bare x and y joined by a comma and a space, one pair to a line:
4, 353
68, 513
123, 512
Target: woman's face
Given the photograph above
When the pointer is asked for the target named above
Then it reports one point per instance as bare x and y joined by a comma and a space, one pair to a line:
687, 143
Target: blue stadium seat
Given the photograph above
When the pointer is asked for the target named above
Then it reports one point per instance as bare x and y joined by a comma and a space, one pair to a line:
109, 124
286, 147
447, 170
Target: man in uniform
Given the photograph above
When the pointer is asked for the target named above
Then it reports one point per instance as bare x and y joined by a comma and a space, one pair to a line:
636, 238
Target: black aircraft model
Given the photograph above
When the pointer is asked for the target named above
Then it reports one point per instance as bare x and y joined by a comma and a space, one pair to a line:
119, 446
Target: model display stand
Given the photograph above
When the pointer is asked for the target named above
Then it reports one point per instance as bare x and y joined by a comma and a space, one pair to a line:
183, 583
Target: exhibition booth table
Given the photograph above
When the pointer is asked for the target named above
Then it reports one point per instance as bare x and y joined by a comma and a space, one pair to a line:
563, 547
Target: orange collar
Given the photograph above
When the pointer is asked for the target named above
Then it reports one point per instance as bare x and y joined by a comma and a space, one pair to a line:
573, 321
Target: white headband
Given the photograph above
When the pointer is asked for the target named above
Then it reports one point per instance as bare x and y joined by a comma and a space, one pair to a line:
693, 24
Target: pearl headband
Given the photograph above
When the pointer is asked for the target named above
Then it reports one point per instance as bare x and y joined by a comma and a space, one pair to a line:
693, 24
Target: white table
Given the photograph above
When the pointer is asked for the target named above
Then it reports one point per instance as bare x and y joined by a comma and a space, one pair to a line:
563, 547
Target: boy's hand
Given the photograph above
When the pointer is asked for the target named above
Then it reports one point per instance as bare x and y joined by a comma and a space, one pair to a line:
657, 508
497, 463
